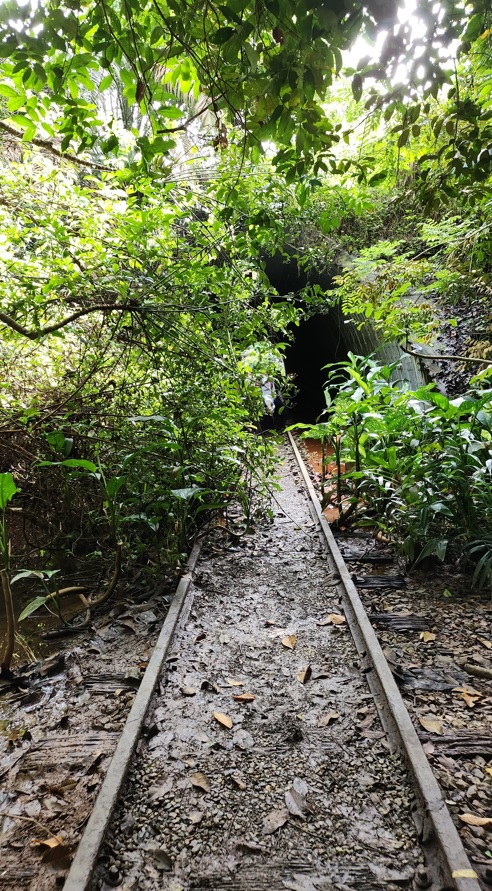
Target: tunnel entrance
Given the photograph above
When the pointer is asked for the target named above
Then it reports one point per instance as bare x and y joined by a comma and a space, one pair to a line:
316, 341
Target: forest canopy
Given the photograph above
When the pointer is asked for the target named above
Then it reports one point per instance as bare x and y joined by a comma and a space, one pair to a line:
257, 71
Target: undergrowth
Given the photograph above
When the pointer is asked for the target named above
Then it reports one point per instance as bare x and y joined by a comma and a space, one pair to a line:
420, 463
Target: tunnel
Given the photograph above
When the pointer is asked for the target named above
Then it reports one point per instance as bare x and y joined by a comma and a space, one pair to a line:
316, 341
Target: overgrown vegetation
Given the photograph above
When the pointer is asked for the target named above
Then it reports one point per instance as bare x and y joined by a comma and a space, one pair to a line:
152, 155
421, 463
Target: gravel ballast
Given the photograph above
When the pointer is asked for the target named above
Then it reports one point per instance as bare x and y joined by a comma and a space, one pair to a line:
292, 786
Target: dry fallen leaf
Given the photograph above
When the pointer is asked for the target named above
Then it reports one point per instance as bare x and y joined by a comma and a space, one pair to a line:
295, 798
304, 674
289, 641
160, 856
486, 643
275, 820
52, 842
427, 636
201, 636
372, 734
200, 780
475, 820
488, 770
188, 691
466, 689
433, 725
233, 683
330, 716
158, 792
335, 619
245, 697
469, 694
238, 781
470, 700
225, 720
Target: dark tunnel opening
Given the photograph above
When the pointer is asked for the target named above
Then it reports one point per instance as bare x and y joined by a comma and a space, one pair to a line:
316, 341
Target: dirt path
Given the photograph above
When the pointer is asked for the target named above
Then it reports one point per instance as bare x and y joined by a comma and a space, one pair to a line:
301, 791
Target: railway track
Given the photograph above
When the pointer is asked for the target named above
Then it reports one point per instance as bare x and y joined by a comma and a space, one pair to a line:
314, 780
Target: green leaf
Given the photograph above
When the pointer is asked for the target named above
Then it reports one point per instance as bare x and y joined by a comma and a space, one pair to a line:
222, 35
9, 92
75, 463
105, 83
29, 133
357, 87
114, 485
59, 442
172, 112
34, 574
403, 139
437, 126
15, 103
21, 120
80, 464
378, 177
32, 607
186, 493
109, 144
7, 489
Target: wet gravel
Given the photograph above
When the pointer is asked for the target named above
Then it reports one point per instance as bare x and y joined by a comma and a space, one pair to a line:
445, 677
60, 721
295, 786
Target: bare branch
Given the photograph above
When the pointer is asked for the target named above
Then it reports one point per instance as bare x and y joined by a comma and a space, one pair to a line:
46, 144
56, 326
472, 359
132, 307
188, 121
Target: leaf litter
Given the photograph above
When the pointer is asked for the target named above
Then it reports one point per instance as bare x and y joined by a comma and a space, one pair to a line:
445, 680
260, 814
62, 720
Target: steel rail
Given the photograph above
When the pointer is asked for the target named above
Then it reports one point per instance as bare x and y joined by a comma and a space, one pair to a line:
455, 872
84, 862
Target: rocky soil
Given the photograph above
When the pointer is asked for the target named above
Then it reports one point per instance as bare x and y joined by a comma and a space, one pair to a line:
59, 725
436, 634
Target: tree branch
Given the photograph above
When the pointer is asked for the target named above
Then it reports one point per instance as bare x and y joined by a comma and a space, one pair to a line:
56, 326
447, 358
132, 307
187, 122
46, 144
